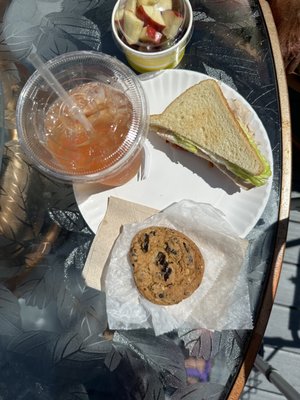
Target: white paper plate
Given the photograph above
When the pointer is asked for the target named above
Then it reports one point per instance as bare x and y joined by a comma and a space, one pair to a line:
174, 174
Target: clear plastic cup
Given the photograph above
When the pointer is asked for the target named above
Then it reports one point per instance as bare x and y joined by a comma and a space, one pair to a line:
111, 97
153, 34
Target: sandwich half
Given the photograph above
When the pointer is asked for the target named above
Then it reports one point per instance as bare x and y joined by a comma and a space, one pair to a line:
201, 121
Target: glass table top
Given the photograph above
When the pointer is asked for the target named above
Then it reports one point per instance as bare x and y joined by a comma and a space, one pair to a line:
54, 338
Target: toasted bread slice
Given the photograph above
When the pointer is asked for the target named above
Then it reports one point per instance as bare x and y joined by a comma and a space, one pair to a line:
200, 120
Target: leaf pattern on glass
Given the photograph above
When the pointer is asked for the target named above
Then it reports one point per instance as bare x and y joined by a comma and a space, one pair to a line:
71, 348
10, 319
265, 102
113, 359
41, 285
32, 11
236, 12
32, 343
207, 391
160, 352
76, 259
58, 195
14, 33
11, 87
51, 27
135, 378
62, 33
69, 220
78, 308
199, 342
22, 212
62, 207
202, 343
85, 314
32, 378
65, 358
259, 255
102, 17
242, 61
78, 360
232, 344
80, 7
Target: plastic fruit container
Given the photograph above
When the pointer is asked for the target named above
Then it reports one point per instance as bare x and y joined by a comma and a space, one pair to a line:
153, 34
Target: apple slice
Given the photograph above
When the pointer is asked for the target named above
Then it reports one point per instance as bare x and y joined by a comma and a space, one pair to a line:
130, 5
163, 5
173, 21
147, 2
119, 15
149, 34
132, 27
151, 16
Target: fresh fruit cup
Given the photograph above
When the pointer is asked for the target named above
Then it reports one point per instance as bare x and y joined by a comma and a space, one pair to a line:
153, 34
112, 99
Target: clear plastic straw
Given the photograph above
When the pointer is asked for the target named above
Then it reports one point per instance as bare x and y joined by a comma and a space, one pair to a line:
76, 112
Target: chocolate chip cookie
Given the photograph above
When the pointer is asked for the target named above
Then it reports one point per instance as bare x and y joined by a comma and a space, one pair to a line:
167, 265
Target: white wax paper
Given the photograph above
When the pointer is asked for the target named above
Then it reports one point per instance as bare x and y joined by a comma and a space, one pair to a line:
220, 302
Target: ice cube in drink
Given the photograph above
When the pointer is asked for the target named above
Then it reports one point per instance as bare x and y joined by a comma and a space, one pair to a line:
110, 113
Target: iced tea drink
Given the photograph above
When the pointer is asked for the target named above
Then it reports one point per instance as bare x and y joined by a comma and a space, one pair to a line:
111, 97
110, 114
